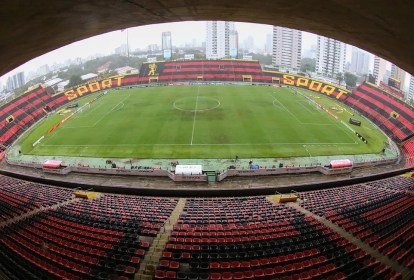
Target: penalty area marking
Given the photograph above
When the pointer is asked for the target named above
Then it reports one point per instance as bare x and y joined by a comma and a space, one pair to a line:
293, 115
117, 107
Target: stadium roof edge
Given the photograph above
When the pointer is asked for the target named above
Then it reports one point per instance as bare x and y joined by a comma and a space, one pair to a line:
373, 25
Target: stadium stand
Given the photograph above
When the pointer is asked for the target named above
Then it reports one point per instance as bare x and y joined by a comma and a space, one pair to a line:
84, 239
378, 214
396, 92
389, 112
205, 70
395, 183
22, 112
47, 233
18, 196
236, 238
395, 117
214, 238
408, 149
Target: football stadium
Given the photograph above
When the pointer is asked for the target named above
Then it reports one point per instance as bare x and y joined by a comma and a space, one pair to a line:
206, 168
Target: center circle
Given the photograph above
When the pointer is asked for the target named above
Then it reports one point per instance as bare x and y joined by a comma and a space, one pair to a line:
196, 104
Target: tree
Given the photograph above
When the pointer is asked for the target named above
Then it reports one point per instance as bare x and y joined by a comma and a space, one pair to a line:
340, 77
74, 80
307, 64
350, 79
263, 59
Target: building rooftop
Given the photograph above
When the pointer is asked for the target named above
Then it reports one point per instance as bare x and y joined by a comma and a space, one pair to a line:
88, 76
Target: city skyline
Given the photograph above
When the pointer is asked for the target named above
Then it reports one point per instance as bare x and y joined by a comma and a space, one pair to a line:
181, 32
143, 36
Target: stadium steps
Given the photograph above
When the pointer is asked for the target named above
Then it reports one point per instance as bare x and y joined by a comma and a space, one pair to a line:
211, 176
405, 272
37, 210
154, 254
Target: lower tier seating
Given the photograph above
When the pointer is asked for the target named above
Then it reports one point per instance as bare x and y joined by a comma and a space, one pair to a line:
408, 149
246, 238
104, 238
110, 237
18, 196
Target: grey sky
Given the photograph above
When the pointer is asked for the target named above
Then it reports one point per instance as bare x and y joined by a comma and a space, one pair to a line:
141, 37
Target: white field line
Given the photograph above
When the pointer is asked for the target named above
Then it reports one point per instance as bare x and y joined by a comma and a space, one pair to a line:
293, 115
306, 148
64, 127
350, 128
350, 136
306, 107
284, 107
195, 114
255, 144
85, 113
103, 116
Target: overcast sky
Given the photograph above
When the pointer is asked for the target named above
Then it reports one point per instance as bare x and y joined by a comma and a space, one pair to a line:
141, 37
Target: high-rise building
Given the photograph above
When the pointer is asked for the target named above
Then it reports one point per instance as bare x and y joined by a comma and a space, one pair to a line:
218, 39
269, 43
9, 84
153, 48
249, 44
15, 81
359, 61
379, 71
43, 70
330, 56
287, 47
233, 44
18, 80
122, 50
166, 44
410, 94
399, 74
78, 60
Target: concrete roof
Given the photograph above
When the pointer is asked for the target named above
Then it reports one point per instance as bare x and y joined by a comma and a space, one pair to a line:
383, 27
52, 82
88, 76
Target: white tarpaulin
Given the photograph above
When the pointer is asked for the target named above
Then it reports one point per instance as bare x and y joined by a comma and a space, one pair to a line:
187, 169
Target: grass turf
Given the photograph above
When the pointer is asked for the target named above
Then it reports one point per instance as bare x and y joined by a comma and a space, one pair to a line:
208, 121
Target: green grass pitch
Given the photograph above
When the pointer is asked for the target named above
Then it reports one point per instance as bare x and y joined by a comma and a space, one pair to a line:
203, 121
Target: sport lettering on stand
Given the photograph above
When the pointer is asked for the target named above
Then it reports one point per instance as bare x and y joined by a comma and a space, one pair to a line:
93, 87
313, 85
